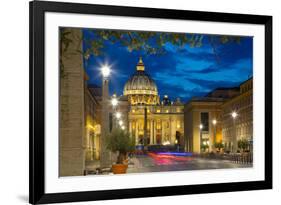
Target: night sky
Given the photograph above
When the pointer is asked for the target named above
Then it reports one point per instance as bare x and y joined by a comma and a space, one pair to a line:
184, 73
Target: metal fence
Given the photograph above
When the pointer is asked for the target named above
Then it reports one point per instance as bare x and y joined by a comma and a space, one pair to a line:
242, 158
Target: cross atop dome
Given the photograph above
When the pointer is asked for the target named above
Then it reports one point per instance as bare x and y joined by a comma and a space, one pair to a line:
140, 65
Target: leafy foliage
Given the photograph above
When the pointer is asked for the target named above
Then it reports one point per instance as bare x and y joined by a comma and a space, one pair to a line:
204, 147
150, 42
120, 141
219, 145
243, 144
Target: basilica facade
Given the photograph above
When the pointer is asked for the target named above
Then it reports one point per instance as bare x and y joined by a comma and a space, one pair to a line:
151, 120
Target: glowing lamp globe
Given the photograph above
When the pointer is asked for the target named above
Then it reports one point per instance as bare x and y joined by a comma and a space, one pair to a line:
105, 70
118, 115
114, 102
234, 115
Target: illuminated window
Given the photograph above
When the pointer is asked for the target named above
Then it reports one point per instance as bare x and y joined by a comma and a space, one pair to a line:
158, 111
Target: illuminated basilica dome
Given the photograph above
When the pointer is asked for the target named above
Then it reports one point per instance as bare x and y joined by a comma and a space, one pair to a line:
140, 88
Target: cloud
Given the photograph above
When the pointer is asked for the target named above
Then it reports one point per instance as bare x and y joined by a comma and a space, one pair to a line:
184, 72
209, 85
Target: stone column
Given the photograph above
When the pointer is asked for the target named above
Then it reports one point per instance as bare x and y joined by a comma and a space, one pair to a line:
71, 107
171, 131
104, 153
234, 140
145, 139
137, 133
130, 128
162, 133
151, 132
154, 131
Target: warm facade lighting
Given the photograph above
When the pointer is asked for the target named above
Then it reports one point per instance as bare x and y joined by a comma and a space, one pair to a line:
201, 126
214, 122
166, 143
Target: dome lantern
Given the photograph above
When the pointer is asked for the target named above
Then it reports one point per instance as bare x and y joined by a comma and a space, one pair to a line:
140, 65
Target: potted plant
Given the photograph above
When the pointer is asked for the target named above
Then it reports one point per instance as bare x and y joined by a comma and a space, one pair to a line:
219, 146
120, 142
243, 144
204, 147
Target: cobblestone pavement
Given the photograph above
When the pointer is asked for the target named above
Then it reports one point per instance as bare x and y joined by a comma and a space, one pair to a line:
145, 163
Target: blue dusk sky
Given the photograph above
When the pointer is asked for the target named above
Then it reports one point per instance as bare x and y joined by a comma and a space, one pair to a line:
178, 72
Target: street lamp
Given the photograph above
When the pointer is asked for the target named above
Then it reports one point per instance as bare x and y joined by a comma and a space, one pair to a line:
123, 127
105, 70
234, 116
114, 101
215, 132
201, 127
118, 115
104, 154
120, 122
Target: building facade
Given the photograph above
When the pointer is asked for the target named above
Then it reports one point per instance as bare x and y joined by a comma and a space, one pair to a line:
239, 127
202, 117
148, 119
92, 120
224, 115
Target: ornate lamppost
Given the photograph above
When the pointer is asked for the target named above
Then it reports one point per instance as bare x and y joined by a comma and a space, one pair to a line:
105, 161
215, 133
234, 140
114, 103
201, 140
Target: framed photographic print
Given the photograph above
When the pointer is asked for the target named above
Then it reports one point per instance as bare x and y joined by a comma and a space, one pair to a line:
130, 102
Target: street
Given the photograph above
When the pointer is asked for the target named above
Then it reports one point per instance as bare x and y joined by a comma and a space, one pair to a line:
165, 162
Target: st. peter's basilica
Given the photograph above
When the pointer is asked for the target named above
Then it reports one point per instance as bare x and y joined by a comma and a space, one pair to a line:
148, 119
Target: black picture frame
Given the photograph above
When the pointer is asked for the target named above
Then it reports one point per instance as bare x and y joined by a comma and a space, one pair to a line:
37, 193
